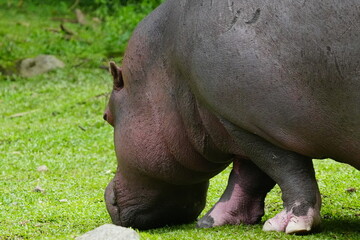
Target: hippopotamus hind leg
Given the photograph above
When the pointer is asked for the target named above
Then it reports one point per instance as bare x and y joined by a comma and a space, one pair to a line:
243, 199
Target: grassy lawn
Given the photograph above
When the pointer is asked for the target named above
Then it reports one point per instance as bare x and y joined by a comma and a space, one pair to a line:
55, 119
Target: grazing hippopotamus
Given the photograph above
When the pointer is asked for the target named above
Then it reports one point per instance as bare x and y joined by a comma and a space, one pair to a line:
265, 85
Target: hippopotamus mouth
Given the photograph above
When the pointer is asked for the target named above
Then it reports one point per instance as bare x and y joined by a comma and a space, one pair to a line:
146, 210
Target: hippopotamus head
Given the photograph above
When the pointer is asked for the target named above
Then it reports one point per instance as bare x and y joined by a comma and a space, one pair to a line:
141, 194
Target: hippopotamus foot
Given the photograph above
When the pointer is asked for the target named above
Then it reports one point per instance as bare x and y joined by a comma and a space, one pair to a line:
300, 194
243, 200
288, 222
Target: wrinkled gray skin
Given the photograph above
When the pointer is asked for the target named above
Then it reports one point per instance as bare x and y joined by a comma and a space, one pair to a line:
265, 85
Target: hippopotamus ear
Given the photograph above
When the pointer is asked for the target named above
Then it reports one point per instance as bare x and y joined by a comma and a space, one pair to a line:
117, 75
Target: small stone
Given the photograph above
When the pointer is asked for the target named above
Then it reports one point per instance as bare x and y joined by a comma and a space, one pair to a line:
39, 189
110, 232
42, 168
41, 64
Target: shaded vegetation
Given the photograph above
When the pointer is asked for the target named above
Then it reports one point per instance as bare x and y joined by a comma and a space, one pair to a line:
37, 28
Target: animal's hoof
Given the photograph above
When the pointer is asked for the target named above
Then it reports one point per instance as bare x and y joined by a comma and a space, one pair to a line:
205, 222
289, 223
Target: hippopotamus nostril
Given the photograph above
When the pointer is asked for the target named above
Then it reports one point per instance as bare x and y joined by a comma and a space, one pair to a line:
105, 116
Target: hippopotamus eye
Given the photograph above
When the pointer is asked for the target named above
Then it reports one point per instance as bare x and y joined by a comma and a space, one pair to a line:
117, 76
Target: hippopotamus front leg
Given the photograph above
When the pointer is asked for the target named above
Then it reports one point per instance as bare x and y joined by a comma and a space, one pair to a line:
243, 199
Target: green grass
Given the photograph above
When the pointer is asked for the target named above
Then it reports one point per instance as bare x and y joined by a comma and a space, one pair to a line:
62, 127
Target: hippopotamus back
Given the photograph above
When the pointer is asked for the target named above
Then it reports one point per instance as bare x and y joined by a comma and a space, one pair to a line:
290, 70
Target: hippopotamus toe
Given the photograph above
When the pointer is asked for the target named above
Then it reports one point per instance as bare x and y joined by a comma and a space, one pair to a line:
205, 222
292, 224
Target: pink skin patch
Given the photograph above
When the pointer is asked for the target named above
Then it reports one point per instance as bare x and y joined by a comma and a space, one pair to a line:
243, 200
287, 222
240, 208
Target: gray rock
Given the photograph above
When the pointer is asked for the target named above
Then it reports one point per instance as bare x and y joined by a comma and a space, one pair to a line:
110, 232
30, 67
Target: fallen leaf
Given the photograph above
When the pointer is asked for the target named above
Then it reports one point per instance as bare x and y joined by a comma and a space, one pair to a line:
82, 128
42, 168
351, 190
25, 24
24, 222
80, 17
97, 20
23, 113
38, 189
53, 30
66, 30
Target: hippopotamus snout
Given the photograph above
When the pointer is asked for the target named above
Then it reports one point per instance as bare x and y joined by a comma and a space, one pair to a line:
110, 200
162, 205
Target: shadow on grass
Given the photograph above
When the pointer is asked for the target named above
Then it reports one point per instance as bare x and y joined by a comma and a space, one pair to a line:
343, 228
190, 231
341, 225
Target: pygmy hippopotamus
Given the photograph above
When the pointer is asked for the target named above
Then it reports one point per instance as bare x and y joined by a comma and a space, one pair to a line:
265, 85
